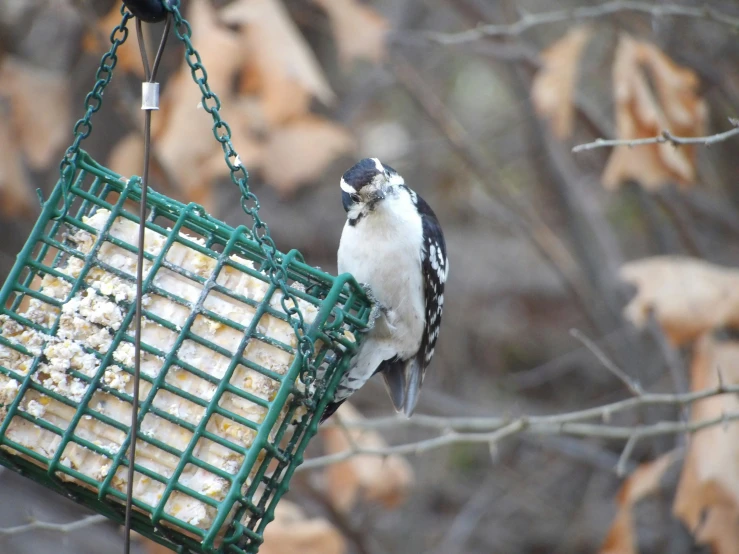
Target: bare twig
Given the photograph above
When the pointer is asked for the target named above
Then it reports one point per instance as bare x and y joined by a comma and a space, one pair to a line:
603, 413
57, 527
341, 424
681, 221
719, 376
340, 519
626, 454
665, 137
529, 21
489, 430
468, 517
708, 208
609, 364
520, 53
543, 425
565, 363
579, 450
675, 365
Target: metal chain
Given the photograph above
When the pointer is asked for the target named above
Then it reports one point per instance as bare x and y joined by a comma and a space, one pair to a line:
249, 202
94, 99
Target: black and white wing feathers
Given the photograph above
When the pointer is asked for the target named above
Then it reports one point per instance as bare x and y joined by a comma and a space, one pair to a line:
435, 269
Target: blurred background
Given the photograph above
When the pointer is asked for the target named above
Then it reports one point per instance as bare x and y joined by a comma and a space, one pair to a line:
478, 105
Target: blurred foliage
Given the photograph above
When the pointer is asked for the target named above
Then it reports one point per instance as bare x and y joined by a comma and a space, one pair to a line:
541, 240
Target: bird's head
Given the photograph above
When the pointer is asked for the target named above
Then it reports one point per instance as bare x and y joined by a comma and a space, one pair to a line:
368, 183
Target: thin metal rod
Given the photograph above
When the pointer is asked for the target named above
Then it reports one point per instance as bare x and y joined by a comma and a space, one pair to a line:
160, 50
150, 76
137, 336
142, 49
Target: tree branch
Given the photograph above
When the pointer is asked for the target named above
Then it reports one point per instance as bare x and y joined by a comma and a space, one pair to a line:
58, 527
340, 519
490, 430
541, 425
665, 137
529, 21
609, 364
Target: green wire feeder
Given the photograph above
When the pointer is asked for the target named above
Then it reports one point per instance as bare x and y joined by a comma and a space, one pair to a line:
242, 349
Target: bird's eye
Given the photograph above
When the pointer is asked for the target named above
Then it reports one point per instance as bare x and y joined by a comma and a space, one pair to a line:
355, 197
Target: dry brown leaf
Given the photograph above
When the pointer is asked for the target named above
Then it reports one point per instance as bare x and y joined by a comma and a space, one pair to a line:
645, 481
251, 150
359, 30
554, 84
282, 71
380, 479
183, 137
96, 41
16, 196
127, 157
688, 296
642, 111
708, 494
152, 547
298, 152
292, 533
39, 102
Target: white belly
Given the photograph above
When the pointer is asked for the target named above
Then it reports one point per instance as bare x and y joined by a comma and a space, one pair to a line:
384, 251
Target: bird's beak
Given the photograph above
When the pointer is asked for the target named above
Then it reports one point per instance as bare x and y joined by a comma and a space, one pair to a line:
377, 196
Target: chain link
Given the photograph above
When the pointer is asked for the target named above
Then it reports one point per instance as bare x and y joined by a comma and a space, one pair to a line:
93, 101
222, 133
239, 176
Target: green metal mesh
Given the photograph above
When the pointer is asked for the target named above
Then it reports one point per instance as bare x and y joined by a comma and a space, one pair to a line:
276, 447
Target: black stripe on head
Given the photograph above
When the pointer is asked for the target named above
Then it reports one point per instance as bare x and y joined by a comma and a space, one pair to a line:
361, 173
389, 169
346, 200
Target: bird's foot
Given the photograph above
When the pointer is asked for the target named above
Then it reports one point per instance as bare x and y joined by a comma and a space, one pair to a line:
378, 308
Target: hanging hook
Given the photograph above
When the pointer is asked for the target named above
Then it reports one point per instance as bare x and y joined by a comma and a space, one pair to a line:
150, 88
151, 73
150, 11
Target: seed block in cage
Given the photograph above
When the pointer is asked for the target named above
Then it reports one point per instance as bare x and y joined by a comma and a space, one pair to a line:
224, 415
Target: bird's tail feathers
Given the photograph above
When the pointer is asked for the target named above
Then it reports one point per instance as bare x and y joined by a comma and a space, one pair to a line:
413, 380
394, 375
403, 380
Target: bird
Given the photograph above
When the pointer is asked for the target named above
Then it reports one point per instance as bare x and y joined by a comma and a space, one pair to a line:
393, 245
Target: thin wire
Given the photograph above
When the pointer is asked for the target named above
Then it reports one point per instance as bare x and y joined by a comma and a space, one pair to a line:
142, 49
150, 76
162, 44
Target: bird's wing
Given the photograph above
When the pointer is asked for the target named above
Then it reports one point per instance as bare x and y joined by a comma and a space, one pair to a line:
435, 267
365, 364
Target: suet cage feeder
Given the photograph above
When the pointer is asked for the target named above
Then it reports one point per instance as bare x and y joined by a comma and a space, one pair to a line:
229, 396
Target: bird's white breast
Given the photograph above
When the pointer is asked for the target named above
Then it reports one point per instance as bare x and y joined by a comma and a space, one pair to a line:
383, 250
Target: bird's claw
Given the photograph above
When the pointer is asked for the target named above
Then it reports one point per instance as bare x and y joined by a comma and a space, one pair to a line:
378, 308
368, 292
